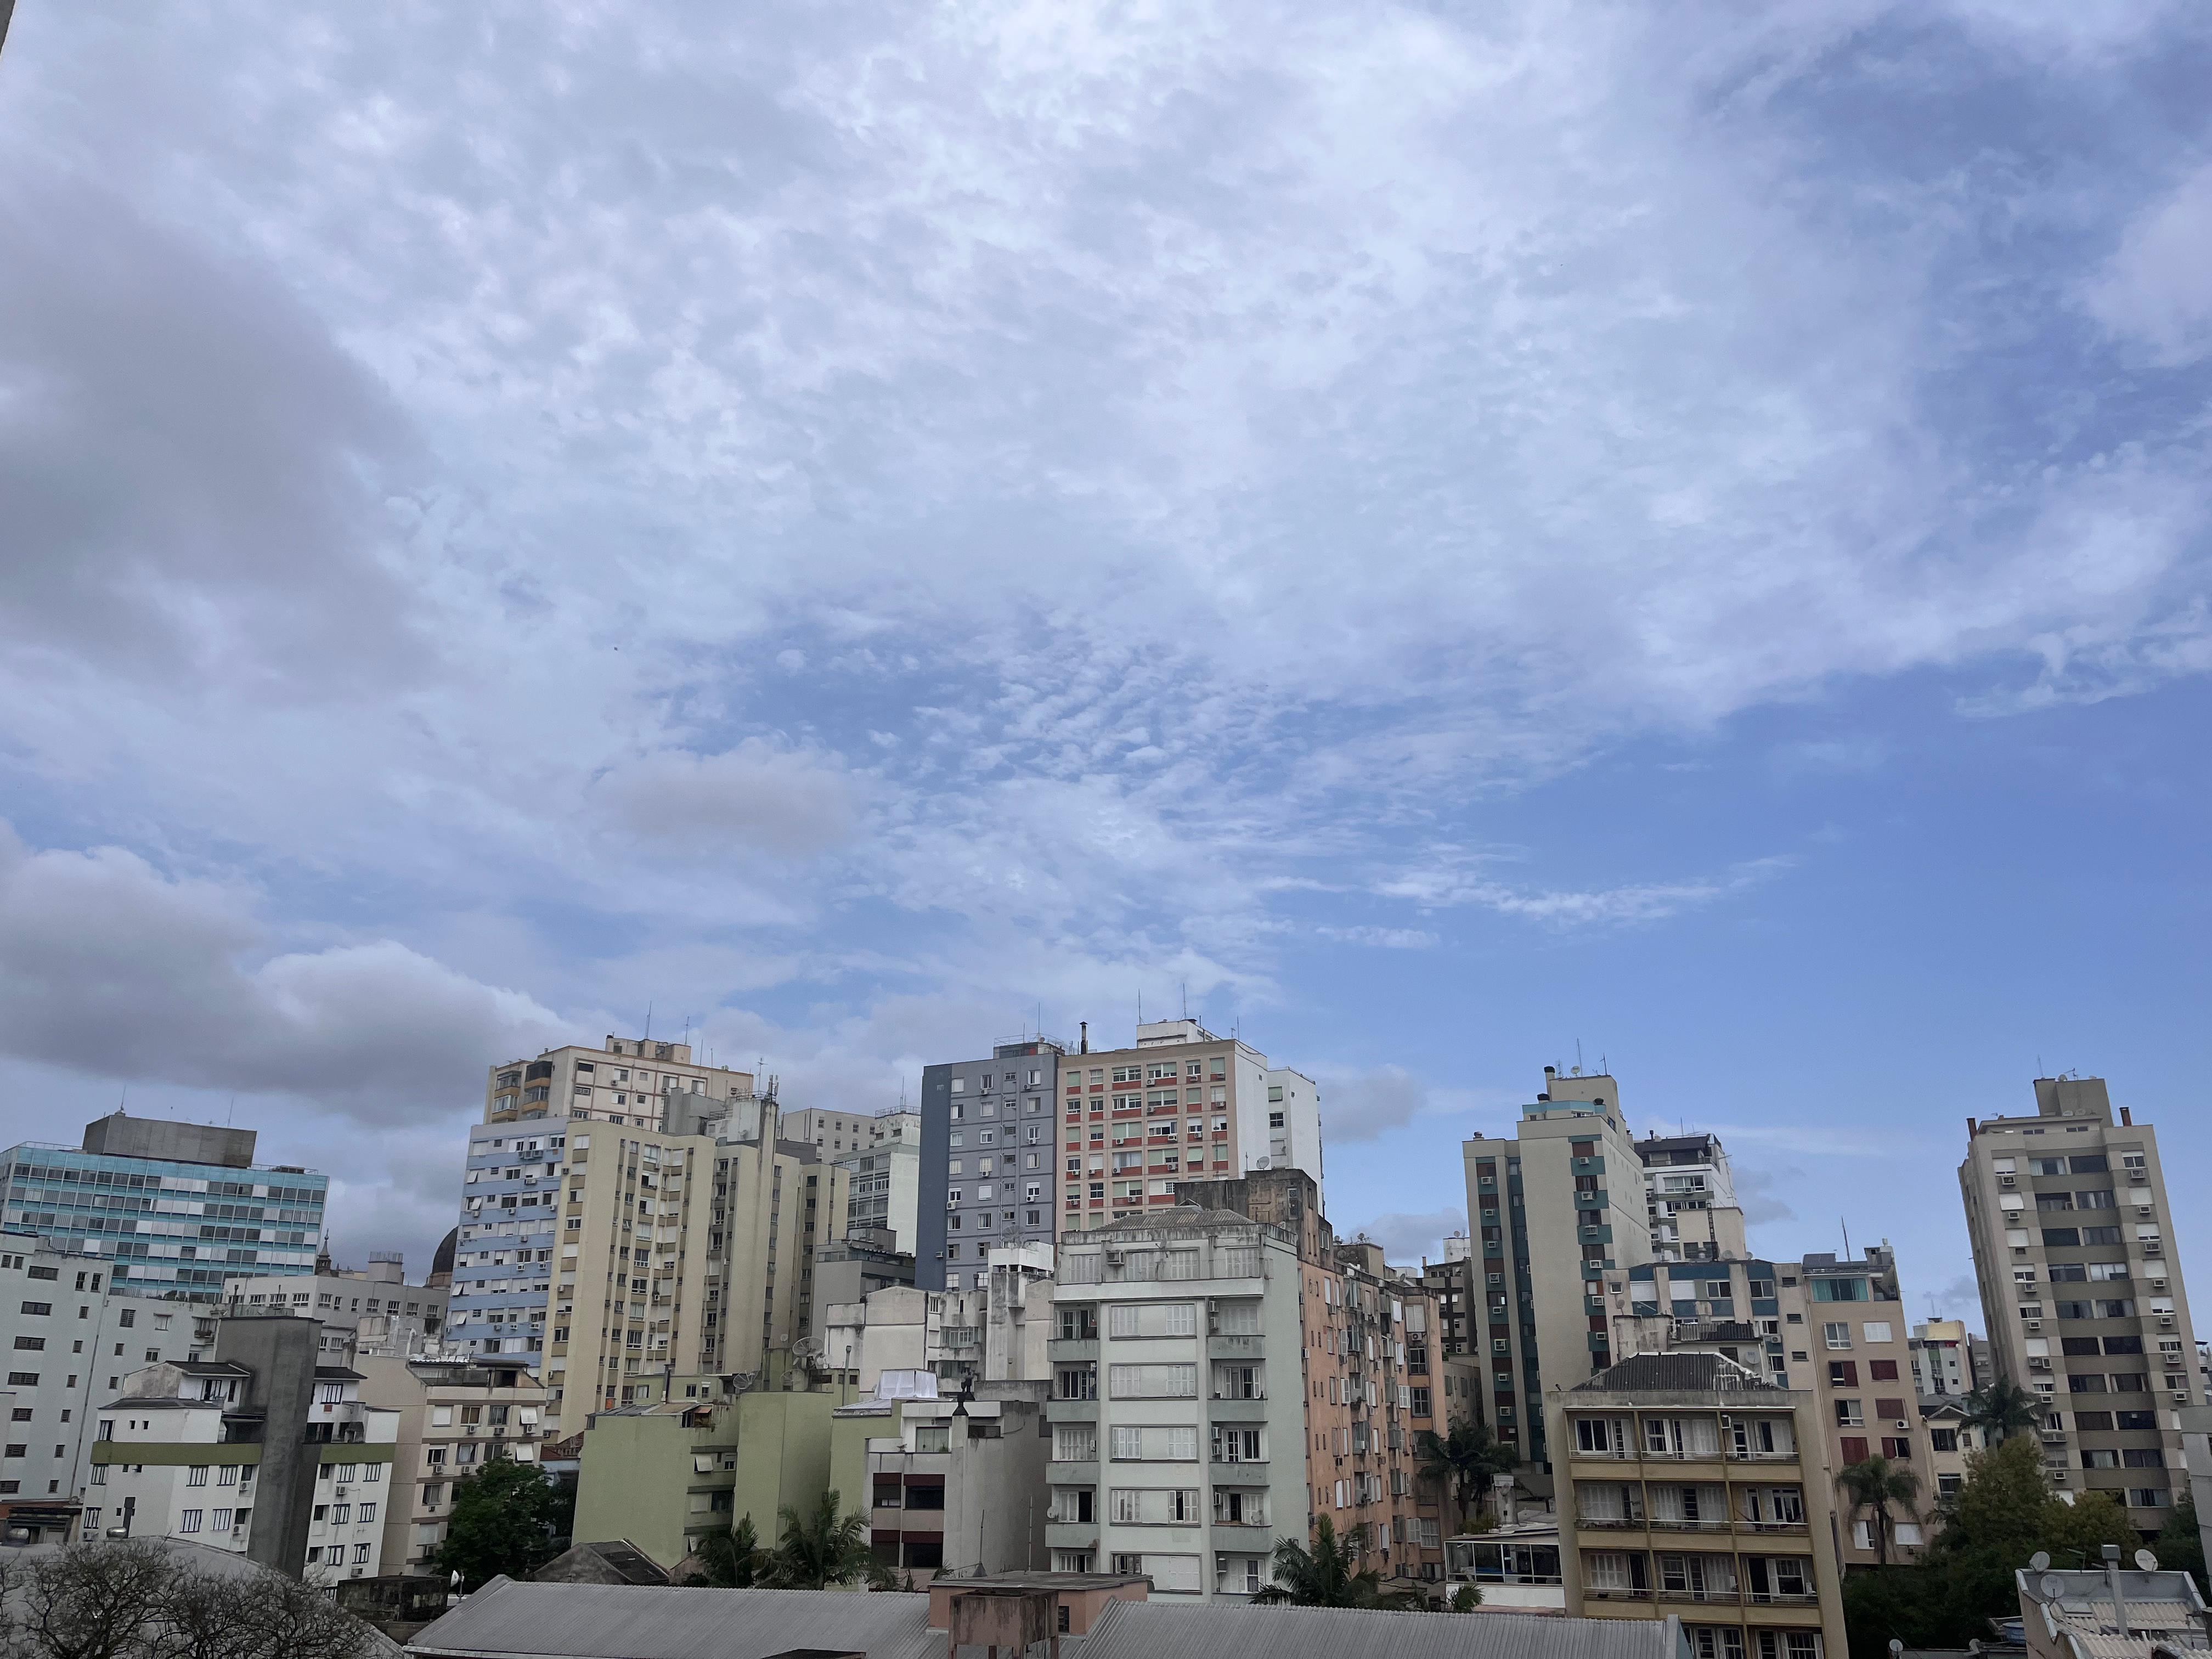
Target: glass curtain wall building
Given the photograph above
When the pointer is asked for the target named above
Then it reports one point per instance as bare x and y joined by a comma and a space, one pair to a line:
178, 1208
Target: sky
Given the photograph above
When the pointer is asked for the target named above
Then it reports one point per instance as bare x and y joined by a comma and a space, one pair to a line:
1439, 538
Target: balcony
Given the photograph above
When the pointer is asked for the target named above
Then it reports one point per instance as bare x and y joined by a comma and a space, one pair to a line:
1237, 1474
1070, 1534
1072, 1349
1072, 1410
1073, 1473
1662, 1523
1724, 1598
1237, 1411
1235, 1347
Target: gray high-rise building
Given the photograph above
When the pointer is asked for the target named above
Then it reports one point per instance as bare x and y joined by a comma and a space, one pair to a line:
988, 1152
2080, 1284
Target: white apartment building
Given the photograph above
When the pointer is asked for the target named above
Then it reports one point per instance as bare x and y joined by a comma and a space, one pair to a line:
835, 1134
1690, 1198
1942, 1357
1177, 1410
362, 1310
997, 1333
884, 1187
167, 1465
69, 1340
2080, 1282
452, 1416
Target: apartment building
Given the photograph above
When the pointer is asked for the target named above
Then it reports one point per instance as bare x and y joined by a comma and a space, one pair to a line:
363, 1310
1172, 1455
176, 1208
884, 1185
1942, 1357
2082, 1290
505, 1243
960, 1486
835, 1135
997, 1333
681, 1256
1689, 1487
986, 1176
1553, 1209
1690, 1198
451, 1416
257, 1451
1184, 1105
69, 1339
1827, 1327
628, 1080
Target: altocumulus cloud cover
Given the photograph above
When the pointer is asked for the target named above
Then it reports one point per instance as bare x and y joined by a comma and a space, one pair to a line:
859, 527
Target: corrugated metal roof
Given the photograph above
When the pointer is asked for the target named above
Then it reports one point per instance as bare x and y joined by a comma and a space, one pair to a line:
1146, 1630
623, 1621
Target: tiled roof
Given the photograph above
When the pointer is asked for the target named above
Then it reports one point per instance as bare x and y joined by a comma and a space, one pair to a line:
1677, 1373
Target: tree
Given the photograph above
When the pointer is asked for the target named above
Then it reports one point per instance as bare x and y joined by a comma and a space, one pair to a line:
1327, 1574
1467, 1598
2181, 1547
2001, 1410
136, 1600
730, 1560
1465, 1462
1873, 1485
817, 1550
507, 1518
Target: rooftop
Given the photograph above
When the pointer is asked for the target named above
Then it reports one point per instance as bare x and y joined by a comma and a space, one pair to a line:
1677, 1373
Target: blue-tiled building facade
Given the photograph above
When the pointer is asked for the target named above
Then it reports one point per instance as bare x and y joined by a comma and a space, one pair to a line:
503, 1258
170, 1227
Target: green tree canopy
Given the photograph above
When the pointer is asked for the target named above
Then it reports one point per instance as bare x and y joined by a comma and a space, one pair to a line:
2001, 1411
1875, 1487
1327, 1575
818, 1549
2180, 1546
1465, 1462
507, 1518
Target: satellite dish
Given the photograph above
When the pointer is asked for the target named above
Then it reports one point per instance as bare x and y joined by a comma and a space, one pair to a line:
2146, 1561
2052, 1587
2039, 1562
1896, 1646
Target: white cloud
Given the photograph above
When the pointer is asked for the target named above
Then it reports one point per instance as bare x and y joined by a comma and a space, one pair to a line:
1450, 876
2156, 289
1388, 939
1407, 1240
1360, 1105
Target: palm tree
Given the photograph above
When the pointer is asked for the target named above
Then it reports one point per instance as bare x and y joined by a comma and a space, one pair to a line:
1874, 1485
1327, 1575
1466, 1462
730, 1560
2002, 1409
817, 1550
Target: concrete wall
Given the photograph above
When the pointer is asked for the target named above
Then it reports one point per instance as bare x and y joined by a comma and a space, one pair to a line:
783, 1459
640, 1479
281, 1353
118, 1136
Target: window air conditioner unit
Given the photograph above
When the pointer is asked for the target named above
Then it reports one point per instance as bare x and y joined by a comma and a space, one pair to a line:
2008, 1181
1902, 1424
1113, 1258
2035, 1324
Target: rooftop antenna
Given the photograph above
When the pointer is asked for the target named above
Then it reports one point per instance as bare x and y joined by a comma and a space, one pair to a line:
1846, 1226
1185, 987
1578, 1056
648, 1020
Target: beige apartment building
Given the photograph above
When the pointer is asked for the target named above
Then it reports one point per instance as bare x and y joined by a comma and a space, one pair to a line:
1183, 1104
453, 1416
1687, 1488
2081, 1288
1553, 1210
630, 1080
839, 1134
683, 1255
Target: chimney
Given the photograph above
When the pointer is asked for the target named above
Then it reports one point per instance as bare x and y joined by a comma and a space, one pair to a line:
1086, 1037
1970, 1128
2126, 1118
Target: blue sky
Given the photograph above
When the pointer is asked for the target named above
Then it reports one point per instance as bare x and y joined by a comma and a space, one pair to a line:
1436, 532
